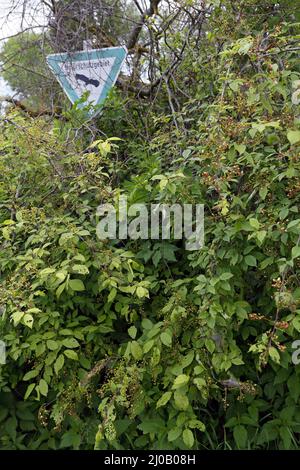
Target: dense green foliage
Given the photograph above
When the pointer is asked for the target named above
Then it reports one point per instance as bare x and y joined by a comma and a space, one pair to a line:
142, 344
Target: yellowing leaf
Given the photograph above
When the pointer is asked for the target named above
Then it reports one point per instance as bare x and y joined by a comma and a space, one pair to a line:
181, 381
136, 350
142, 292
188, 438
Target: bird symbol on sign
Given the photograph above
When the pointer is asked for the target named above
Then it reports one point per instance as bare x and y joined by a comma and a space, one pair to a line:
87, 80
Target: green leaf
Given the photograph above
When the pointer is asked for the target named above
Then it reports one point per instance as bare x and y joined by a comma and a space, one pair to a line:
61, 275
70, 354
181, 400
136, 350
240, 436
293, 223
196, 424
293, 136
70, 439
147, 324
27, 320
286, 437
17, 316
188, 438
250, 260
166, 338
168, 252
174, 434
293, 386
52, 345
43, 387
240, 148
76, 285
263, 192
210, 344
148, 345
226, 276
152, 426
254, 223
295, 252
112, 295
296, 323
181, 381
60, 289
31, 374
132, 331
164, 399
80, 269
29, 391
261, 235
70, 343
274, 354
141, 292
59, 363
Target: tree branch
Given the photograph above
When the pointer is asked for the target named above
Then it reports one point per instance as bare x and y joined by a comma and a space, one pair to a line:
152, 10
31, 112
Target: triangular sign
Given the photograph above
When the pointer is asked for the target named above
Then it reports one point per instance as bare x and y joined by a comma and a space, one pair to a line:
94, 70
